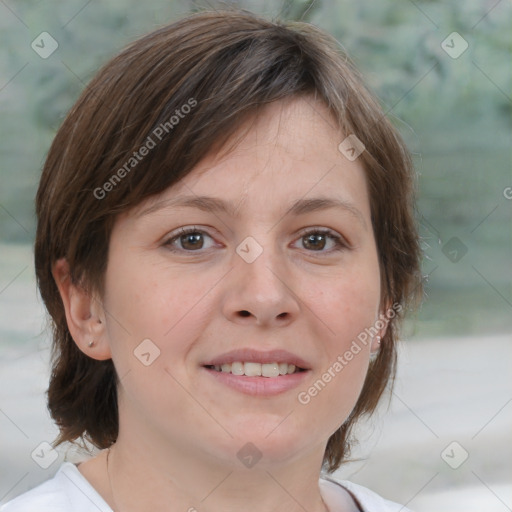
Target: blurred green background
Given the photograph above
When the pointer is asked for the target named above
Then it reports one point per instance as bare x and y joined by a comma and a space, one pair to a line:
455, 114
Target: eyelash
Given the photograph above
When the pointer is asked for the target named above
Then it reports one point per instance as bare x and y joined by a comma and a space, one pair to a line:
340, 243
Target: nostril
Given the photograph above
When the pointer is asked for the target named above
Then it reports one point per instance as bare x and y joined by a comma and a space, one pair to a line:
245, 313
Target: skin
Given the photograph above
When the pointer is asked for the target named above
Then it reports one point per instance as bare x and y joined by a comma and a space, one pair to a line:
180, 429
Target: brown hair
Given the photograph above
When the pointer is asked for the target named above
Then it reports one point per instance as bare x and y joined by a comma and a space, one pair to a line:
224, 65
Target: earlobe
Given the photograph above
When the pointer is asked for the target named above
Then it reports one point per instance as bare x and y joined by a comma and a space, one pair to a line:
381, 324
375, 347
83, 314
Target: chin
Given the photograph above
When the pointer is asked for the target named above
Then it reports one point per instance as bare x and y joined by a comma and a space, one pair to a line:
269, 440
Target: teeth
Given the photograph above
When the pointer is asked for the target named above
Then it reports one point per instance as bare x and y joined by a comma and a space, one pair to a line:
236, 368
270, 370
251, 369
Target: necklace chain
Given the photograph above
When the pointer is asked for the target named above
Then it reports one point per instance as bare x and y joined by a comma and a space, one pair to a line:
116, 509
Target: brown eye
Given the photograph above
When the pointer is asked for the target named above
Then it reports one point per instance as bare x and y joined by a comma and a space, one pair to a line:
192, 241
187, 240
317, 240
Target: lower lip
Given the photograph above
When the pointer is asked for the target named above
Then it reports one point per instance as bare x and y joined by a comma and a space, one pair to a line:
259, 386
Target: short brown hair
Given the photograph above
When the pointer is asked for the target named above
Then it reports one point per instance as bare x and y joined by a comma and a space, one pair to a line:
226, 64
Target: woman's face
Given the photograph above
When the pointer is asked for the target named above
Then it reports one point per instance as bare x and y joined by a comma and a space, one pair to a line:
256, 281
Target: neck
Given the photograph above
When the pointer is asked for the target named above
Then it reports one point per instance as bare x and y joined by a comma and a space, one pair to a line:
145, 479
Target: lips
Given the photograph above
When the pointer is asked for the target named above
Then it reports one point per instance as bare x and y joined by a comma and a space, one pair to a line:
258, 373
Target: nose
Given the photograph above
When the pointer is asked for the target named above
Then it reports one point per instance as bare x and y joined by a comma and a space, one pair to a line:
261, 293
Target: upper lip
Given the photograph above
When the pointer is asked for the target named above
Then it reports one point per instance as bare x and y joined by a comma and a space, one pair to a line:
256, 356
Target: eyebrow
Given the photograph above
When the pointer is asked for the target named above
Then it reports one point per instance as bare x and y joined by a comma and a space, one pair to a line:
217, 205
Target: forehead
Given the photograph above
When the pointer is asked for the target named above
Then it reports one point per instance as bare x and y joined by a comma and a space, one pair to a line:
288, 151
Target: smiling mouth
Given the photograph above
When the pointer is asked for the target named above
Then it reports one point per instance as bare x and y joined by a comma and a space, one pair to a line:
253, 369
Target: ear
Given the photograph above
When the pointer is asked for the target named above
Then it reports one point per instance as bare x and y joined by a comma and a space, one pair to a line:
84, 314
381, 324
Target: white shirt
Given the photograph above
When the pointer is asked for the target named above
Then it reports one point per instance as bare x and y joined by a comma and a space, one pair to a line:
69, 491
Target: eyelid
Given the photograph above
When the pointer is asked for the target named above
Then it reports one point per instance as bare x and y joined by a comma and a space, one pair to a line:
184, 230
326, 231
341, 243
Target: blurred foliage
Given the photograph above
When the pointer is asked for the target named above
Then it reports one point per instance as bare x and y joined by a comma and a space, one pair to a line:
455, 114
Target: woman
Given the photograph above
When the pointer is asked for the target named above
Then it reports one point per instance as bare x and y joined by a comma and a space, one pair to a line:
225, 245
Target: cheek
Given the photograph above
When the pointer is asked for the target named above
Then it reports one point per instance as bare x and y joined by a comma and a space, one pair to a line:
152, 324
350, 305
349, 308
147, 300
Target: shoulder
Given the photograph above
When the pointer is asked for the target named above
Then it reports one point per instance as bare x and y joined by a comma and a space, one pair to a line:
368, 500
67, 491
